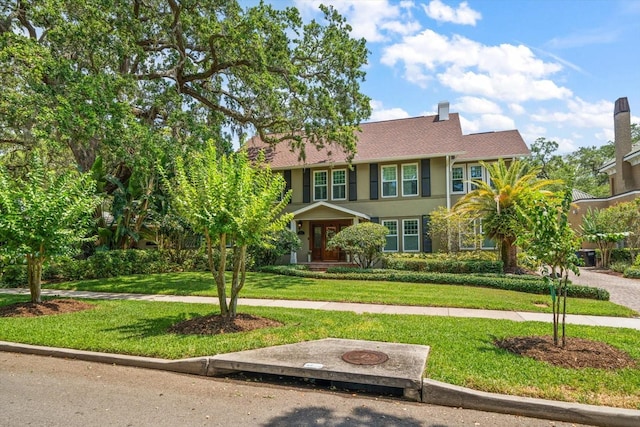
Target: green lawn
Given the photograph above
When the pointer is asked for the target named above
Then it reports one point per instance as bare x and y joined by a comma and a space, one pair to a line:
461, 349
263, 285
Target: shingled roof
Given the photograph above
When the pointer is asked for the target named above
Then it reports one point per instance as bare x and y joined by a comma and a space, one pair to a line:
403, 139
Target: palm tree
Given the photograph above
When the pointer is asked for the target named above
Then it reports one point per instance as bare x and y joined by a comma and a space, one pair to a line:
501, 203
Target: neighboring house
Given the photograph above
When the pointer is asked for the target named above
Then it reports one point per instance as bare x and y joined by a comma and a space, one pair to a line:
403, 170
623, 171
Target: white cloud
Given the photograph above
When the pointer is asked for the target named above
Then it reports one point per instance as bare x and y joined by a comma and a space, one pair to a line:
442, 13
565, 145
486, 123
474, 105
379, 113
375, 20
579, 114
503, 72
516, 109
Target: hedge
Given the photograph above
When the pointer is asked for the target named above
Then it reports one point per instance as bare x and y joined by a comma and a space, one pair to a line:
444, 266
509, 283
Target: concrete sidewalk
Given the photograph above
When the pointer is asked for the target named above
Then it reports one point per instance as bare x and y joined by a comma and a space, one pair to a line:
517, 316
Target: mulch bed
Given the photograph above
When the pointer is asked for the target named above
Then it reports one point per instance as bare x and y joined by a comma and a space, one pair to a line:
578, 352
45, 308
216, 324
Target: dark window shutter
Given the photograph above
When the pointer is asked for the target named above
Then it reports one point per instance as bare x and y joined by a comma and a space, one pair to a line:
427, 244
426, 177
287, 180
353, 184
373, 181
306, 186
375, 219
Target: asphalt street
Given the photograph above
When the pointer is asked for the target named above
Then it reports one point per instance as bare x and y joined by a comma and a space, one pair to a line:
45, 391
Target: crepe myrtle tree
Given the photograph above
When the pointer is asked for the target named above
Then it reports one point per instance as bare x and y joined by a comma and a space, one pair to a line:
551, 241
234, 203
43, 213
363, 242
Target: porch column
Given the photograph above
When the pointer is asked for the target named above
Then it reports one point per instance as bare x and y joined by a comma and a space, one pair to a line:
294, 255
356, 220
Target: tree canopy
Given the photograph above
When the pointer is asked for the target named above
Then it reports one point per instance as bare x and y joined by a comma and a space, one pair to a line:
86, 74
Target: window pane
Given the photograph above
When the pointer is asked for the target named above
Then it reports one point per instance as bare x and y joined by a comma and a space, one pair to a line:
411, 243
475, 172
339, 192
389, 189
339, 188
389, 173
320, 178
410, 172
409, 188
410, 235
458, 186
391, 244
409, 180
320, 185
456, 173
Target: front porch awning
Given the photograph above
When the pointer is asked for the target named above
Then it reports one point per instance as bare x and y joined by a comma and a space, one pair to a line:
324, 210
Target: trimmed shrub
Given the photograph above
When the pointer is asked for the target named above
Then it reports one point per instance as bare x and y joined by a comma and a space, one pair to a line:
509, 283
444, 266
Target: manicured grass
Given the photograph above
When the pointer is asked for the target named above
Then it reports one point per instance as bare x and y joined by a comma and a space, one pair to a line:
461, 349
264, 285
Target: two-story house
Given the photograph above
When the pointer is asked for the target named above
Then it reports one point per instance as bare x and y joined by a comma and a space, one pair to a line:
402, 171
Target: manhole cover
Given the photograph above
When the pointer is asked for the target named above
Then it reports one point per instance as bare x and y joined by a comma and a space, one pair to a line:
365, 357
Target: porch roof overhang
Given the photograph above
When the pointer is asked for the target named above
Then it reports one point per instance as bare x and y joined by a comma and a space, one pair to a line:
342, 210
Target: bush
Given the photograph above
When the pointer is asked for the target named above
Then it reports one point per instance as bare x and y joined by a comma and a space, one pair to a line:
533, 285
363, 241
621, 255
444, 266
632, 272
284, 241
619, 267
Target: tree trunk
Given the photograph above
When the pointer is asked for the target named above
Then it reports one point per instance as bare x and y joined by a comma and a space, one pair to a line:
239, 275
564, 311
218, 273
509, 254
34, 277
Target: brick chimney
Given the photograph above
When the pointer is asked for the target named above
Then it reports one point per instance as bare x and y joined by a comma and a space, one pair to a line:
443, 111
623, 180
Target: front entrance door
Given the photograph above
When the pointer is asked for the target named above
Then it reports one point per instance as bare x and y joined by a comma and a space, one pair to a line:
321, 233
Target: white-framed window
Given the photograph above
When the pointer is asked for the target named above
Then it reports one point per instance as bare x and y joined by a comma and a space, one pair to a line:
410, 179
339, 184
457, 179
487, 243
320, 185
410, 235
390, 181
392, 237
476, 173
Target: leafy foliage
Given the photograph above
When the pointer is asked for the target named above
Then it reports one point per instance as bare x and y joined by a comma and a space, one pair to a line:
447, 227
601, 226
501, 204
551, 240
43, 214
231, 202
444, 266
268, 251
363, 242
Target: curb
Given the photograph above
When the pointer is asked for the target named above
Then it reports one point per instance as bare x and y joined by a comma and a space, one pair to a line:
443, 394
433, 392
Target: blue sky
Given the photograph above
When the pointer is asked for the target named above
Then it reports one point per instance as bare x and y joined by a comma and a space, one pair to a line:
549, 68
